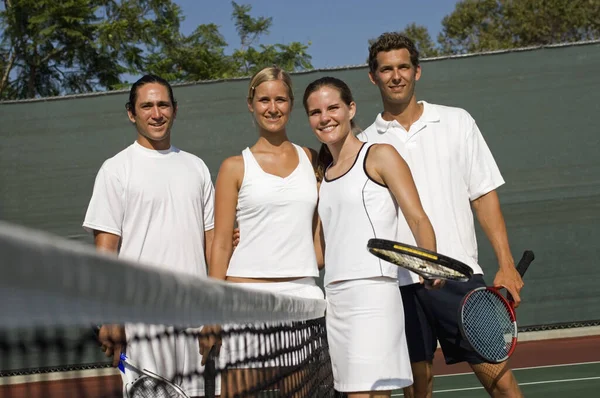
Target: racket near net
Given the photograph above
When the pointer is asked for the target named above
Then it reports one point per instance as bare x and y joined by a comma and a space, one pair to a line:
427, 264
487, 319
149, 384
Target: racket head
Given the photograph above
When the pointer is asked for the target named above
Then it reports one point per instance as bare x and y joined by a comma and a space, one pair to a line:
151, 387
488, 322
149, 384
428, 264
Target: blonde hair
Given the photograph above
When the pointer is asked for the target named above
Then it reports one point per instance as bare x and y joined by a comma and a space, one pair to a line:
268, 74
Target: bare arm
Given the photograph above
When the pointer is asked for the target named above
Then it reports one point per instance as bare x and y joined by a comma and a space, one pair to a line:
111, 337
319, 241
386, 166
106, 242
489, 214
226, 196
208, 241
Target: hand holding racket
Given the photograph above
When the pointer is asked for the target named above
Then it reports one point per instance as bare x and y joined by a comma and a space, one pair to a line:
487, 319
427, 264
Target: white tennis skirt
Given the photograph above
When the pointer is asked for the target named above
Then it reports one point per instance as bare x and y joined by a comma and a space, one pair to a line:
243, 348
365, 330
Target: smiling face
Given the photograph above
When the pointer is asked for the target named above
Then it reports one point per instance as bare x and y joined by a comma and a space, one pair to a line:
395, 76
329, 116
271, 106
154, 116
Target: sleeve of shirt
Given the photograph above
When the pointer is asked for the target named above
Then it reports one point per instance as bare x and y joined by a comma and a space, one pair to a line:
208, 197
481, 173
106, 209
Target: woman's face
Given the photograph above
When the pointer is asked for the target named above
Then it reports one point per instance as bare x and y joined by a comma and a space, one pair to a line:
328, 115
271, 106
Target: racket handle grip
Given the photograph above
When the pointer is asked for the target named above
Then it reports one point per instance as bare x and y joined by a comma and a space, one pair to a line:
527, 258
210, 375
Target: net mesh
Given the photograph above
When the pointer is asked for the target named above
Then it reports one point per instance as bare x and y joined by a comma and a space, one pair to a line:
52, 292
420, 266
488, 325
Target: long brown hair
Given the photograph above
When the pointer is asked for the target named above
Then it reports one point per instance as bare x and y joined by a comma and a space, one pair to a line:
324, 158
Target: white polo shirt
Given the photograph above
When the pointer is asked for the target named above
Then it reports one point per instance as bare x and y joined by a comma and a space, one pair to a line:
452, 166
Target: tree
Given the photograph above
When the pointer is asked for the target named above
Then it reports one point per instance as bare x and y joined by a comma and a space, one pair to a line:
50, 47
483, 25
75, 46
420, 36
250, 59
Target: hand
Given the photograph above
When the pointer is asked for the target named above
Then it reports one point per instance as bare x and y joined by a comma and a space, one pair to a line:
432, 283
210, 337
509, 278
236, 237
113, 341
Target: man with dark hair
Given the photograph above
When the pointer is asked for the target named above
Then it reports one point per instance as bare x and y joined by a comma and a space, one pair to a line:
454, 172
153, 203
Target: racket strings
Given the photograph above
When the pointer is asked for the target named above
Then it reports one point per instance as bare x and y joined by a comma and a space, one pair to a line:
488, 325
147, 387
419, 265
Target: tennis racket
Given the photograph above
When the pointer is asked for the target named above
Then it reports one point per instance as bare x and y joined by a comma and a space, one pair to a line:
149, 384
487, 319
427, 264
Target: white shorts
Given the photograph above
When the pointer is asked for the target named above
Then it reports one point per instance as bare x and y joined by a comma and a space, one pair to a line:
241, 348
167, 357
365, 330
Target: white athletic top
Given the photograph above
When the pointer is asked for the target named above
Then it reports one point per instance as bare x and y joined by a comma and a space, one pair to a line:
275, 217
353, 209
159, 202
451, 166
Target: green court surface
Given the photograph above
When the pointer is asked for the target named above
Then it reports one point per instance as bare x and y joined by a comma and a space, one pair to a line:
574, 380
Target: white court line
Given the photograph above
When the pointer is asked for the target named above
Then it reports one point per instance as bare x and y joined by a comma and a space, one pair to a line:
520, 384
54, 376
531, 383
530, 367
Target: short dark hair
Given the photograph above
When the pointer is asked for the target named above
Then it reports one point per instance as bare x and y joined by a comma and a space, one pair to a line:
130, 105
392, 41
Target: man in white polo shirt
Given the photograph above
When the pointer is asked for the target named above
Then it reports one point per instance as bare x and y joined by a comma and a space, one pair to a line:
454, 172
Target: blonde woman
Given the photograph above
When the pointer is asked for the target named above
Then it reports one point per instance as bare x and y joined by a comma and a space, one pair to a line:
270, 190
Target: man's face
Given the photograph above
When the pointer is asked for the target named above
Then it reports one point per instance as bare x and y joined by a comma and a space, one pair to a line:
395, 76
154, 115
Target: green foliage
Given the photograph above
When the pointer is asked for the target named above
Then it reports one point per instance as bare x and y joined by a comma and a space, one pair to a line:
482, 25
420, 36
50, 47
488, 25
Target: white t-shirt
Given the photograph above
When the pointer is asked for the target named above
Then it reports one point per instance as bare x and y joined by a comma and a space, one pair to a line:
452, 166
159, 202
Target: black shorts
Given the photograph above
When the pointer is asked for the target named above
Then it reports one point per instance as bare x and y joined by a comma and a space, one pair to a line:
431, 315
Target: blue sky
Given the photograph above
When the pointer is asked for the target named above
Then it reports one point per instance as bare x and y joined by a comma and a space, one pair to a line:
338, 30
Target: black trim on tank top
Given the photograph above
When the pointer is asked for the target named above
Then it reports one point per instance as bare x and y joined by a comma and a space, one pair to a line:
370, 221
365, 169
347, 171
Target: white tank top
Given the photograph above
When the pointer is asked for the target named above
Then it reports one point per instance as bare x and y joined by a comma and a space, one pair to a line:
275, 217
353, 209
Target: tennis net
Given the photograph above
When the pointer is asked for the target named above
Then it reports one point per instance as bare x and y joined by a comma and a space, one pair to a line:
52, 292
